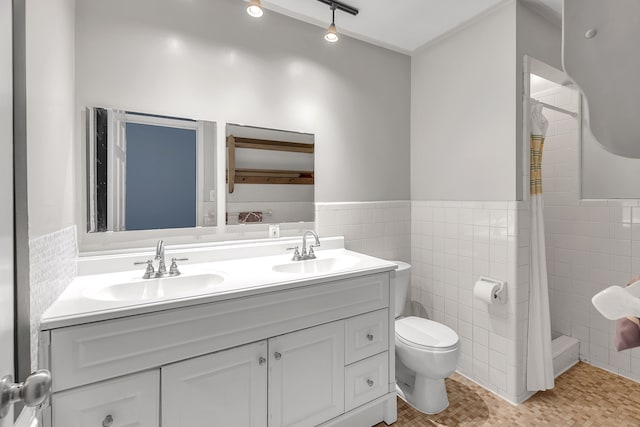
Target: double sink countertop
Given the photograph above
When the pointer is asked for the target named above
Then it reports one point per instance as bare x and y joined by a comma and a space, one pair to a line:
120, 293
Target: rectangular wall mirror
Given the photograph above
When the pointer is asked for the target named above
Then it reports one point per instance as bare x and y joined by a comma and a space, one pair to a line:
270, 175
147, 171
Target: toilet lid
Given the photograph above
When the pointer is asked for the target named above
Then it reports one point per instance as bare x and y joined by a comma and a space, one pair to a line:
425, 333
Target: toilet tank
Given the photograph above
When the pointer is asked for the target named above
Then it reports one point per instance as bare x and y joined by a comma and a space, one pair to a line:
403, 275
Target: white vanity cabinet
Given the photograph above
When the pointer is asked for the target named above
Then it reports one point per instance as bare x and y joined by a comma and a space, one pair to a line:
126, 401
306, 376
304, 370
228, 388
318, 354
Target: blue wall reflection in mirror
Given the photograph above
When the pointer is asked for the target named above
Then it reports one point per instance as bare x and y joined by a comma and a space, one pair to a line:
160, 189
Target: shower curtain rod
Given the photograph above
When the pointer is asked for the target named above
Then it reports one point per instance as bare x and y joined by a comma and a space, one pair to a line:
553, 107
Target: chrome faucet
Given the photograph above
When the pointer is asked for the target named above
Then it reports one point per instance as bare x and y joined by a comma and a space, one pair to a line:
304, 255
162, 268
310, 254
151, 273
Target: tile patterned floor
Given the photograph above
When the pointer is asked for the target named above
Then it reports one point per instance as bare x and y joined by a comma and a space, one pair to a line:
583, 396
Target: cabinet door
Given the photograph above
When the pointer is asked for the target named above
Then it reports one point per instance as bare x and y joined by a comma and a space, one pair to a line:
128, 401
228, 388
306, 376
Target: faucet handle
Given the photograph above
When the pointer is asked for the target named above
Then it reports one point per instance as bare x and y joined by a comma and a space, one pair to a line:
149, 271
312, 254
173, 270
296, 253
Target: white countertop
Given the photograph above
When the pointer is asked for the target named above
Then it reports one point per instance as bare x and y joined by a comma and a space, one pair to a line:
242, 277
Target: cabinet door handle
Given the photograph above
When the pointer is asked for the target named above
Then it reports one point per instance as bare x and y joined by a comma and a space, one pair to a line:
370, 382
262, 361
108, 421
277, 355
370, 337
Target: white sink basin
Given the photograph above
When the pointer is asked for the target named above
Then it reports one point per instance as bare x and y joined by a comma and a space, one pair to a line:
152, 289
317, 266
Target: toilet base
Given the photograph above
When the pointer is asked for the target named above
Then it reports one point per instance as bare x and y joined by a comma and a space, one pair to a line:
427, 395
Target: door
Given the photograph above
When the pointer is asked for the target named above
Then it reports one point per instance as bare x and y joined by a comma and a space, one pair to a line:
306, 376
6, 197
228, 388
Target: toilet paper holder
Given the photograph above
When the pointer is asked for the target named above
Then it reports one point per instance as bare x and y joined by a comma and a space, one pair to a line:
500, 295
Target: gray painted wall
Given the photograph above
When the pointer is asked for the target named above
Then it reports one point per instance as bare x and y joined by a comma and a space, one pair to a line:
211, 61
604, 175
467, 97
463, 117
540, 39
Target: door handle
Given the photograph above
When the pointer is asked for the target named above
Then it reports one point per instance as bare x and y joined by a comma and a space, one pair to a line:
33, 391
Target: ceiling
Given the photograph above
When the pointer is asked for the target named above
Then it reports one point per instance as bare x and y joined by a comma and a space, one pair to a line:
401, 25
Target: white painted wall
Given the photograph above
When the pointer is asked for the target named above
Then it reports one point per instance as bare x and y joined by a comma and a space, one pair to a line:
50, 105
463, 118
212, 61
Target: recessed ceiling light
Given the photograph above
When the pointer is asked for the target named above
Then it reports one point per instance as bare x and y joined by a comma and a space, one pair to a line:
255, 8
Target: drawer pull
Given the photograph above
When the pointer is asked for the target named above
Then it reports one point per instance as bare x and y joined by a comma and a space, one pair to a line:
370, 382
370, 337
277, 355
108, 421
262, 361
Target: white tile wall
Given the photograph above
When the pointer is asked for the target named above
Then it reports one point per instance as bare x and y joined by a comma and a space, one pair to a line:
52, 267
452, 245
380, 229
591, 244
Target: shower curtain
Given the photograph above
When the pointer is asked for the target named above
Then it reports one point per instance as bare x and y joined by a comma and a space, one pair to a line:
539, 354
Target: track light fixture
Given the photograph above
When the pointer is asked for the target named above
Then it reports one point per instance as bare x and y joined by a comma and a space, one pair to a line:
255, 8
332, 33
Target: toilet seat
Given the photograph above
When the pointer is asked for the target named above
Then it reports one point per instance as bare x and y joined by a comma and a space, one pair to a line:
425, 334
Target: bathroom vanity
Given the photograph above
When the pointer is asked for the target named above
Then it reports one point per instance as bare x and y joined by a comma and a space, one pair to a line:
265, 341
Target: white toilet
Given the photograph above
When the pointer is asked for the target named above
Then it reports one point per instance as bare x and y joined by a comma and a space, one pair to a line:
426, 353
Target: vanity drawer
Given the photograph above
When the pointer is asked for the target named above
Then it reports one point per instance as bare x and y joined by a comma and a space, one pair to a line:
97, 351
366, 380
133, 400
366, 335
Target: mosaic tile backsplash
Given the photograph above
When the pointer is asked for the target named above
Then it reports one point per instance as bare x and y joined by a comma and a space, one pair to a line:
52, 267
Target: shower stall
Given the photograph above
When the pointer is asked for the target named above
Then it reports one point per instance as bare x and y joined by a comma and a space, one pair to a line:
561, 195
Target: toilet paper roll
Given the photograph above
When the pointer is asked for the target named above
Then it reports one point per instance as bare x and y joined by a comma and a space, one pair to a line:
486, 291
